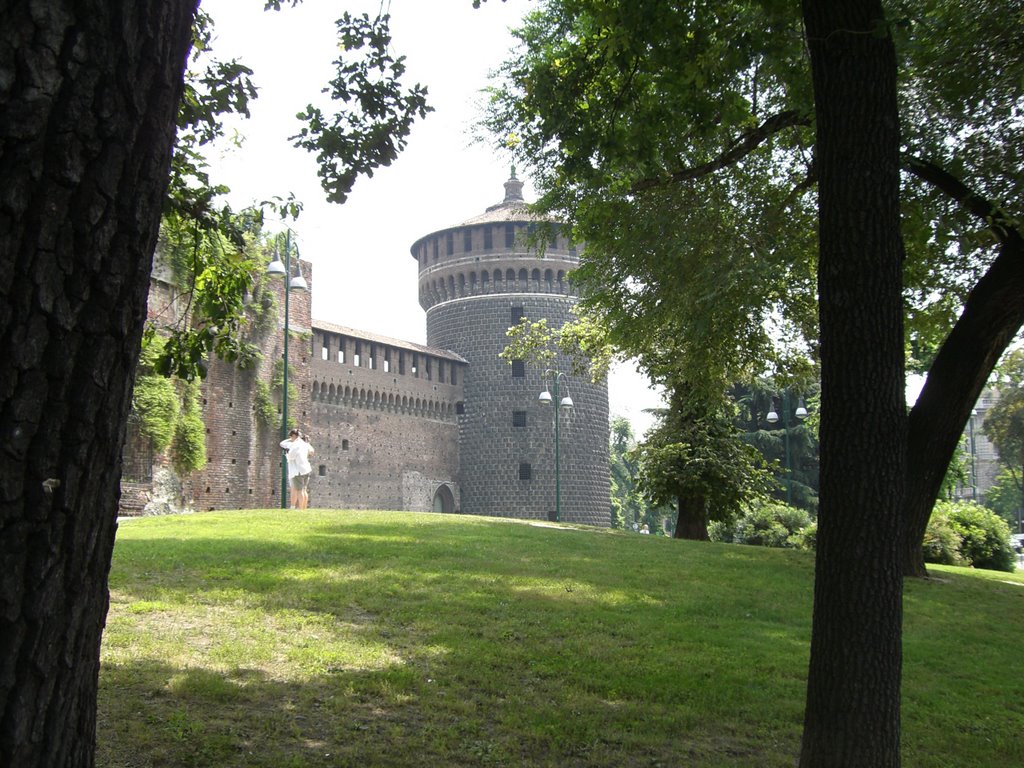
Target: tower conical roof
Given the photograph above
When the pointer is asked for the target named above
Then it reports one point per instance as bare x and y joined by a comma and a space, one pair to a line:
512, 208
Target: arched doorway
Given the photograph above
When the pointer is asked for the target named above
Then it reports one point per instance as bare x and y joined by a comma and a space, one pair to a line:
444, 501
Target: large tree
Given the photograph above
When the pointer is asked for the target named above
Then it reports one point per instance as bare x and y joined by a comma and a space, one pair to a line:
89, 94
88, 97
727, 185
852, 717
680, 143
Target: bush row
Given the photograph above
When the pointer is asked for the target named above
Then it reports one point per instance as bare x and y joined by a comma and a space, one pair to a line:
959, 533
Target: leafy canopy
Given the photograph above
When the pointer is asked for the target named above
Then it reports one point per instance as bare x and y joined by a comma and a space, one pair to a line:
213, 250
677, 140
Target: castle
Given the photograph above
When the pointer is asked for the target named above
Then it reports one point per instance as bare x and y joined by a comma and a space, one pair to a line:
446, 427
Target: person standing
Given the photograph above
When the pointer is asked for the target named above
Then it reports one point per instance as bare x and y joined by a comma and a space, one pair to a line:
299, 468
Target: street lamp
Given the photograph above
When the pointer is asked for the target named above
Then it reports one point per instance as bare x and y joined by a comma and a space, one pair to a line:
277, 268
974, 455
772, 418
546, 398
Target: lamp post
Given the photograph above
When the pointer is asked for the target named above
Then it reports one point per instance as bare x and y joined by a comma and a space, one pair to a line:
277, 268
772, 418
547, 398
974, 466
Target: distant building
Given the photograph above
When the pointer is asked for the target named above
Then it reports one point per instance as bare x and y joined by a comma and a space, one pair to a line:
981, 453
447, 427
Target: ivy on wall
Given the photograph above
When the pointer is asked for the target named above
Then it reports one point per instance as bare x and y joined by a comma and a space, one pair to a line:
169, 412
155, 401
188, 449
266, 411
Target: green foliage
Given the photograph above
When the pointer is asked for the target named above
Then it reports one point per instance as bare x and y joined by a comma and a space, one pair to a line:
625, 110
188, 449
754, 402
263, 309
216, 276
958, 473
1006, 497
581, 340
807, 537
698, 454
626, 503
205, 243
677, 141
1004, 421
266, 411
942, 540
377, 115
155, 401
985, 537
169, 411
208, 246
768, 524
155, 398
212, 89
962, 80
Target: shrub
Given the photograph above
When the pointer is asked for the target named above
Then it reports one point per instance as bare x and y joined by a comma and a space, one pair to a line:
941, 540
1003, 498
807, 538
985, 537
771, 524
722, 530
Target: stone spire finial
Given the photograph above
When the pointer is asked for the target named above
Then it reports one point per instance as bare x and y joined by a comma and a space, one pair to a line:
513, 189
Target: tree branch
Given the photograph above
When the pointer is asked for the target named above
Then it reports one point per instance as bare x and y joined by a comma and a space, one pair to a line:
739, 149
995, 218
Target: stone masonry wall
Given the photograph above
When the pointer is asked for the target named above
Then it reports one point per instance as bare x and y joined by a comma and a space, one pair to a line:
475, 281
494, 450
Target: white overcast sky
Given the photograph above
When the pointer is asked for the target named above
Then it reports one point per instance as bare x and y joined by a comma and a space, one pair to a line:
364, 276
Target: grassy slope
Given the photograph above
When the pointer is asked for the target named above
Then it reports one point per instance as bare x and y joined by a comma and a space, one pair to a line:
394, 639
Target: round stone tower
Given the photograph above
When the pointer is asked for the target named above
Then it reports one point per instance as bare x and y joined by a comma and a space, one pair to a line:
476, 280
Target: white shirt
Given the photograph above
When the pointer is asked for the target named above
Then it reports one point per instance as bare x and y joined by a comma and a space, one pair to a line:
299, 452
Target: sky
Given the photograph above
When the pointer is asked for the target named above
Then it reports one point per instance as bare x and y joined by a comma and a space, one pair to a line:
364, 275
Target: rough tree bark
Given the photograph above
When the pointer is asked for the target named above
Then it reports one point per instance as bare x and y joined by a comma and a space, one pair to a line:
692, 518
89, 90
852, 715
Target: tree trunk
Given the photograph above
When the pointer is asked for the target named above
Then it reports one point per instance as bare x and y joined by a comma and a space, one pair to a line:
852, 715
992, 316
88, 96
692, 520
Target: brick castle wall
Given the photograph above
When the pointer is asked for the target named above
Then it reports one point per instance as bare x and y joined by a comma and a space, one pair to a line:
383, 424
243, 455
397, 425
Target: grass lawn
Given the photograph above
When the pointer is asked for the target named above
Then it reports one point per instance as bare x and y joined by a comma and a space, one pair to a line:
327, 638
